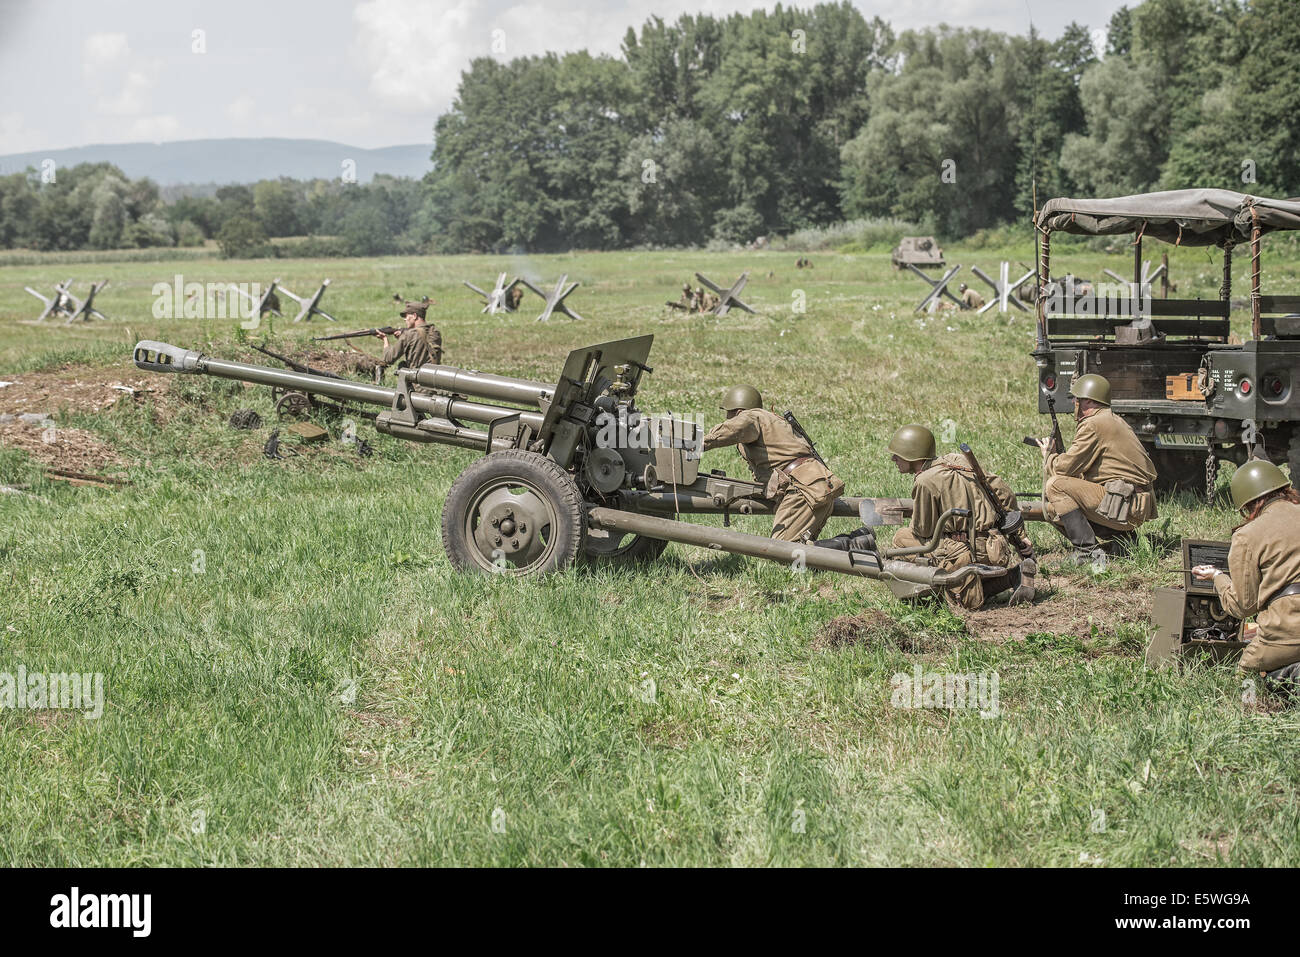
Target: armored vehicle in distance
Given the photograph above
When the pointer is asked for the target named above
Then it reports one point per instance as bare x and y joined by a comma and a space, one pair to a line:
922, 251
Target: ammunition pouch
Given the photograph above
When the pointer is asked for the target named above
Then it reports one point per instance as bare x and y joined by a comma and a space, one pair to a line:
1117, 503
776, 485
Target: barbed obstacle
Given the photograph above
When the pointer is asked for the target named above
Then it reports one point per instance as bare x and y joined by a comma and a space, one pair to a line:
86, 309
728, 297
938, 287
1149, 276
64, 303
268, 301
555, 299
502, 298
310, 305
59, 304
1003, 288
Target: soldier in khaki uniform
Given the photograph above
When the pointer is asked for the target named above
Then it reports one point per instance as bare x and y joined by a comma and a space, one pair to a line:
1103, 479
970, 297
417, 345
1263, 576
948, 482
803, 488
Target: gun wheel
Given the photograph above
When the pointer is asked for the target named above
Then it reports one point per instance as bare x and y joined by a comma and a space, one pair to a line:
293, 405
515, 513
620, 548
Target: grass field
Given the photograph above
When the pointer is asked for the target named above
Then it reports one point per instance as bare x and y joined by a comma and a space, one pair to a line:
294, 675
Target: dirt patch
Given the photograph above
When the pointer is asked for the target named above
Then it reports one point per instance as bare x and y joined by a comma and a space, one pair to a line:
871, 626
73, 389
1064, 607
74, 449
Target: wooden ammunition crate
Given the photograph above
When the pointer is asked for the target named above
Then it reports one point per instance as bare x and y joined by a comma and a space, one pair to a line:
1183, 388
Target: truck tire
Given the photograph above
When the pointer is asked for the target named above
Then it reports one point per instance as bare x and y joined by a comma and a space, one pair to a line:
514, 513
1293, 456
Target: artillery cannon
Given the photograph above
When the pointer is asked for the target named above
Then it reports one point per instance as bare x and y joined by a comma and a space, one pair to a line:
574, 470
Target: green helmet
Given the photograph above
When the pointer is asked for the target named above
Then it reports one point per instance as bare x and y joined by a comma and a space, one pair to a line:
1254, 479
1091, 386
741, 397
913, 443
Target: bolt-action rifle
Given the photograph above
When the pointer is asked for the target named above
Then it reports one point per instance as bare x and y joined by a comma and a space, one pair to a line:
298, 366
1010, 524
380, 331
799, 431
1058, 442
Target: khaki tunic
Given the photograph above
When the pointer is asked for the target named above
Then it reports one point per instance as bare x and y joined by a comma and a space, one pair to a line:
972, 299
415, 347
805, 494
948, 483
1264, 559
1104, 449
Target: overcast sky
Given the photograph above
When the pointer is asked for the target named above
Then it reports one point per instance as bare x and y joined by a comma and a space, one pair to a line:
364, 72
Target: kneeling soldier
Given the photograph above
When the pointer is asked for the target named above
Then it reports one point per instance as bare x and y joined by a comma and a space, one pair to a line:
1103, 479
947, 482
417, 345
1263, 576
803, 488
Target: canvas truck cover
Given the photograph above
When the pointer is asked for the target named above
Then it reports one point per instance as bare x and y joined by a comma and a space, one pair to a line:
1185, 217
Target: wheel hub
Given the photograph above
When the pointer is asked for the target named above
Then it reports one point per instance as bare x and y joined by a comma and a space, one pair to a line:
511, 523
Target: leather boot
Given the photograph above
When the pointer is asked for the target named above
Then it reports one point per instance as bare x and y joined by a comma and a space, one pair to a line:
1024, 589
1079, 531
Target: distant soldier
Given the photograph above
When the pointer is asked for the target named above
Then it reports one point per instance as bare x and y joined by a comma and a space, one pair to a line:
803, 489
709, 301
947, 482
970, 297
687, 298
1263, 575
417, 345
514, 297
1103, 479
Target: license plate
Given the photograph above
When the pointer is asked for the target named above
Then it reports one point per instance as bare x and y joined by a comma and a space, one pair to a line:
1174, 440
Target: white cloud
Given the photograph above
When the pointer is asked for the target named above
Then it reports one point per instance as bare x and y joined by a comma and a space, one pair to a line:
17, 136
100, 50
242, 108
154, 129
119, 83
414, 51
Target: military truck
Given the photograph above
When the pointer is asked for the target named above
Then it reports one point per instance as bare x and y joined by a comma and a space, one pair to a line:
919, 251
1193, 392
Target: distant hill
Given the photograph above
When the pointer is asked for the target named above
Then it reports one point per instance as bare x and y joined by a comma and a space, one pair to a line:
235, 160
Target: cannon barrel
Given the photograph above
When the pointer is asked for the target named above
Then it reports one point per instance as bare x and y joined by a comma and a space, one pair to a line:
759, 546
162, 357
484, 385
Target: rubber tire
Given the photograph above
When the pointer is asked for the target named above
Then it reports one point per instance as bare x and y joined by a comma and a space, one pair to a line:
641, 551
568, 533
1178, 471
1293, 456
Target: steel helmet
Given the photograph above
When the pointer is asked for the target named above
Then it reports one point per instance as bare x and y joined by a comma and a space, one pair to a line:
1254, 479
913, 443
1091, 386
741, 397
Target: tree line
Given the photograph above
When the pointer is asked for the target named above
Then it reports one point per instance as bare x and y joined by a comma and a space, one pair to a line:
723, 129
95, 206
